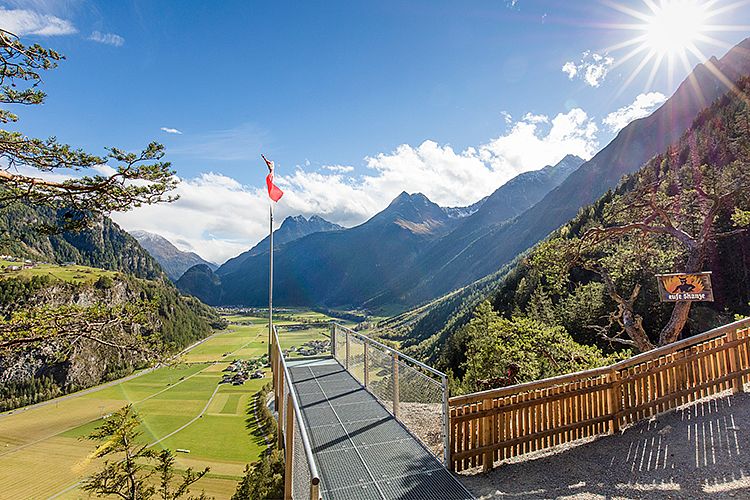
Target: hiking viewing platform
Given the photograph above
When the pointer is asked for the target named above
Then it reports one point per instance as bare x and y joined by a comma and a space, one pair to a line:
370, 422
343, 422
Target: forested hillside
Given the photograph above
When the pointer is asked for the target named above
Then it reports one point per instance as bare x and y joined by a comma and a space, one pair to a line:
634, 145
581, 280
30, 232
90, 326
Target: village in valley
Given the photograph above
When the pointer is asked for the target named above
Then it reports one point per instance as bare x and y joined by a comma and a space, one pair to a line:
240, 370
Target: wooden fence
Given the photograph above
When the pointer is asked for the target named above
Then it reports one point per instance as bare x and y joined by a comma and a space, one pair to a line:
497, 424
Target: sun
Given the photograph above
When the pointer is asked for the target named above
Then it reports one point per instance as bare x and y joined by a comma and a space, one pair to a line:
675, 26
671, 33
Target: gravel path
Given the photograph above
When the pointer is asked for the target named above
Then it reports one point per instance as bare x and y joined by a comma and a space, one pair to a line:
696, 452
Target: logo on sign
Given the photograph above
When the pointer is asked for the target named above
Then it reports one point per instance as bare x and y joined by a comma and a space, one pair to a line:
685, 287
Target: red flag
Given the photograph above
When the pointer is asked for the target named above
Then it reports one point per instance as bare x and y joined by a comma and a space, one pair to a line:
273, 191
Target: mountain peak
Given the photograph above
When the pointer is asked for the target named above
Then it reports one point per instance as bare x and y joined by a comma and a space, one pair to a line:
414, 198
410, 211
174, 261
571, 158
292, 227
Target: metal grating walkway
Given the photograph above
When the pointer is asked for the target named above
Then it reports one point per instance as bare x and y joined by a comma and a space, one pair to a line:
361, 450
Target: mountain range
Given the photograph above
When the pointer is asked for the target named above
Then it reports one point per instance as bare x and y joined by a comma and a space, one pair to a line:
201, 281
713, 81
105, 245
369, 264
638, 142
415, 251
173, 260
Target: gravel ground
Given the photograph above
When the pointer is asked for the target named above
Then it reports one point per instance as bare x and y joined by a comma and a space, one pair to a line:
699, 451
424, 420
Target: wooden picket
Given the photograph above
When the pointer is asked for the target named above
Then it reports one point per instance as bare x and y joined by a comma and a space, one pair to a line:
498, 424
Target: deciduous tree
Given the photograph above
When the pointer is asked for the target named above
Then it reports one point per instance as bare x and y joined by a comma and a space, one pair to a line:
675, 204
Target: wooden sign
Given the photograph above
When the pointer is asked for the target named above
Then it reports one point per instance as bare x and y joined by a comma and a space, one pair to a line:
679, 287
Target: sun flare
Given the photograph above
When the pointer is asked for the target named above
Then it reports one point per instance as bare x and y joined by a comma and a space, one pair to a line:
675, 26
671, 33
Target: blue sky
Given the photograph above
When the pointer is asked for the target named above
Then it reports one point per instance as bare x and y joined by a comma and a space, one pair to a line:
354, 100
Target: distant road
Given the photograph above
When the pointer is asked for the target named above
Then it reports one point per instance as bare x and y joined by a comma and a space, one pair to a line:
110, 383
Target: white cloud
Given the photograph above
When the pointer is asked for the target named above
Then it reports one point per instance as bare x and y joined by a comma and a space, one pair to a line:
171, 130
336, 168
537, 141
642, 106
28, 22
532, 118
570, 69
592, 68
104, 170
507, 117
218, 217
107, 38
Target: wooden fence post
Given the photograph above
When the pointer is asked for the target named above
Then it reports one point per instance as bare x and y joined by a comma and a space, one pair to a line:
278, 409
276, 376
394, 377
486, 440
289, 451
734, 363
615, 401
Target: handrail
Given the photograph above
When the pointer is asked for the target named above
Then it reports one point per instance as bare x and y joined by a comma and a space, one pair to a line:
674, 346
485, 425
392, 351
413, 364
597, 372
527, 386
314, 475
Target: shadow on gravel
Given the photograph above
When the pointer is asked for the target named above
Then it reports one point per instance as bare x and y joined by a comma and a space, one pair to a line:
701, 451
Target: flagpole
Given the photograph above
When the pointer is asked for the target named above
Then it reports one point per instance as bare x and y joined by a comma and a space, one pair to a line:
270, 279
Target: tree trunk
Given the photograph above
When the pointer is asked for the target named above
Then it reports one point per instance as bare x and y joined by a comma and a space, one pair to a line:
673, 329
633, 325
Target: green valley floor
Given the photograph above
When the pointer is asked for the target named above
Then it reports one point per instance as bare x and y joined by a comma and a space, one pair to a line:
44, 453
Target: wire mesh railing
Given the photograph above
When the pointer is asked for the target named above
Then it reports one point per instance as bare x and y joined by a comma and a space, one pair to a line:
416, 394
301, 478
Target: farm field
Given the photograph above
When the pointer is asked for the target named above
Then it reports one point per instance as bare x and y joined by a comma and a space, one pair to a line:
182, 406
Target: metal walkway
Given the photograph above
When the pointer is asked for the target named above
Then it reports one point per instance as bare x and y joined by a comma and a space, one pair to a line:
362, 452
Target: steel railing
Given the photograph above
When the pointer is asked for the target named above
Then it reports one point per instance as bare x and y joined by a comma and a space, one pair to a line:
301, 478
416, 394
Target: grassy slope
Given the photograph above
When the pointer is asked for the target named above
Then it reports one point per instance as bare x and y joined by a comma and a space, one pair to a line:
71, 274
47, 438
